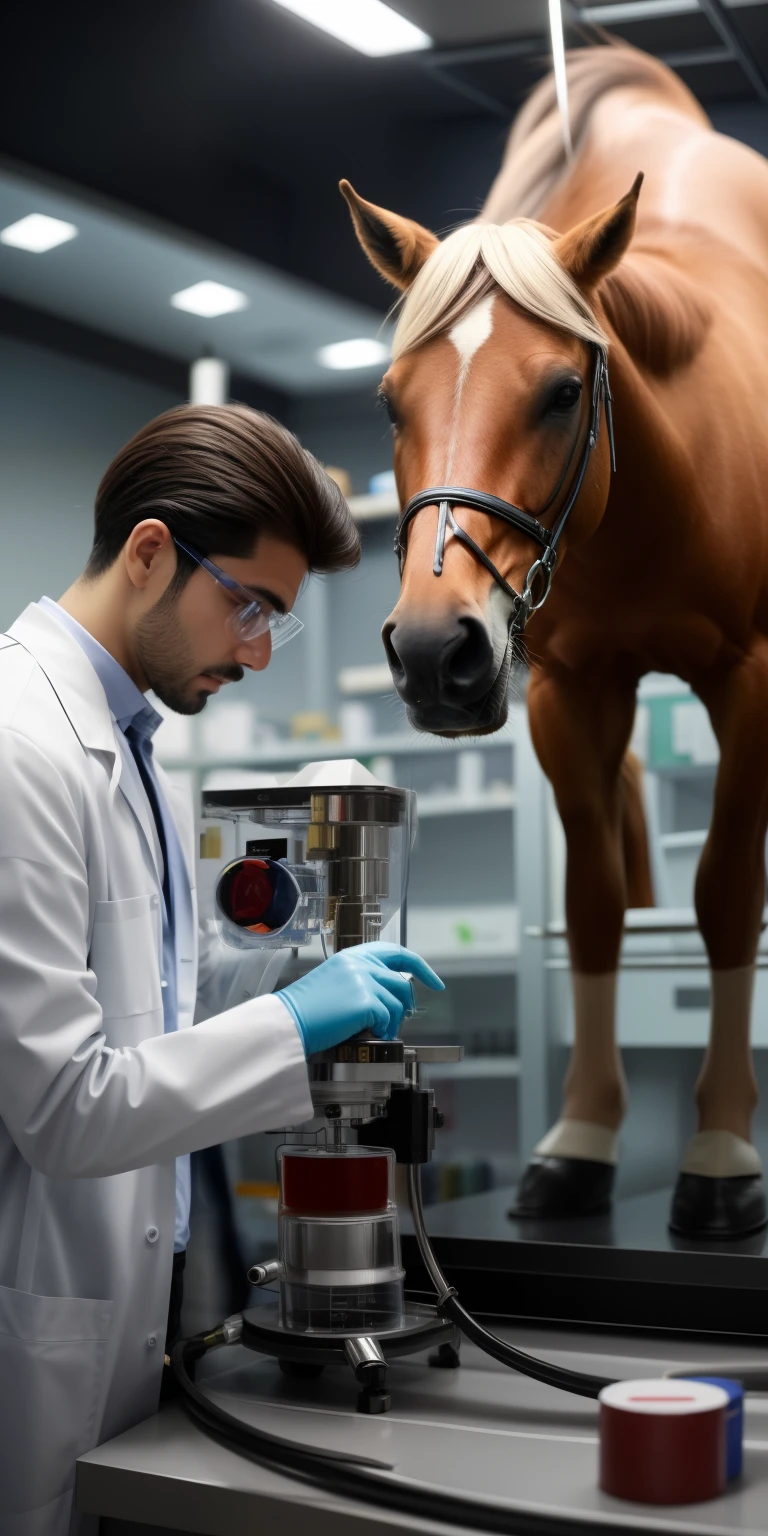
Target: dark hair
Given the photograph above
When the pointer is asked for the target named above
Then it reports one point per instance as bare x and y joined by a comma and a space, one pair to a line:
219, 476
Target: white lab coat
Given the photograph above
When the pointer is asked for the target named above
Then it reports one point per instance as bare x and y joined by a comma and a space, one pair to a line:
96, 1102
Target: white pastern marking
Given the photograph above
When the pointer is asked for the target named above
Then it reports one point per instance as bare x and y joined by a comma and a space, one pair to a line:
468, 336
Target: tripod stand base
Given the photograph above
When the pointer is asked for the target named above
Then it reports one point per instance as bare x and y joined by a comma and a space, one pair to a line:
305, 1354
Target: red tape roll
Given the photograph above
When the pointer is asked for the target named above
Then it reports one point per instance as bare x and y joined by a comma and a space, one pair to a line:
663, 1442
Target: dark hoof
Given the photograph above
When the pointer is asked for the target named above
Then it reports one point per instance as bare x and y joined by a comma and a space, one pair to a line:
564, 1186
718, 1208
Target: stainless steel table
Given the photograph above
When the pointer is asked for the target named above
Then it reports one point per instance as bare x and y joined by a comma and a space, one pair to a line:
481, 1430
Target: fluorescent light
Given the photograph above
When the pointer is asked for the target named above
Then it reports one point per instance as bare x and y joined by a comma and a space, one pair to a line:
646, 10
561, 78
37, 232
210, 299
367, 25
359, 352
637, 10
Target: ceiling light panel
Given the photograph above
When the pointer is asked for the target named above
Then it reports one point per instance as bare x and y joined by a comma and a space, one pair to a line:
210, 299
358, 352
637, 10
370, 26
37, 232
611, 14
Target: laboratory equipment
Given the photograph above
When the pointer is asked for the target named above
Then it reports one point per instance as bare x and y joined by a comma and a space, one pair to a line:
321, 862
338, 1271
323, 859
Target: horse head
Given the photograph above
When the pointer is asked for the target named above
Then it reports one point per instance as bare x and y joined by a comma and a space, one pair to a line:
491, 388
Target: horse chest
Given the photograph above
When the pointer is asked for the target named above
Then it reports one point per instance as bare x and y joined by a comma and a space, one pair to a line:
639, 636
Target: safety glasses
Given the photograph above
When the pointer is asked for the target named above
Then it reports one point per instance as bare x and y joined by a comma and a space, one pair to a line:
248, 618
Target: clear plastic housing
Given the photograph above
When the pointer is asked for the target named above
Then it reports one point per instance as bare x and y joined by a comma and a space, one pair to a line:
329, 850
339, 1240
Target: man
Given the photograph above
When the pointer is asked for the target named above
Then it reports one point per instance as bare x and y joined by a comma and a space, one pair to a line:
207, 523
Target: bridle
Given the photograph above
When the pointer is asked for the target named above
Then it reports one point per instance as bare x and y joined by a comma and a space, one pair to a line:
446, 497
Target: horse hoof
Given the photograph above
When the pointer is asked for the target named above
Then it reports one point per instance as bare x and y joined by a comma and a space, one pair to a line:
564, 1186
718, 1208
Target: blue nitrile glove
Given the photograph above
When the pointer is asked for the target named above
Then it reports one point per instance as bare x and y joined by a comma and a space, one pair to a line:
359, 988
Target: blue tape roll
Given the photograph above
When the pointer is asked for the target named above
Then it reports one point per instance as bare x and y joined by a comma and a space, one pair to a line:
734, 1420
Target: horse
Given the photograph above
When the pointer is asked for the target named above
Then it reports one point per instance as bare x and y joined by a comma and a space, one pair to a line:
504, 418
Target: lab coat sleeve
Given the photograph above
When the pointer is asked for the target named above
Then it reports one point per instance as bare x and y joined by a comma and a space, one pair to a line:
226, 977
75, 1106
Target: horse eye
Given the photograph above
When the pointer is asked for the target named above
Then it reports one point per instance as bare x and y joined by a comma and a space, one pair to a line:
386, 405
566, 397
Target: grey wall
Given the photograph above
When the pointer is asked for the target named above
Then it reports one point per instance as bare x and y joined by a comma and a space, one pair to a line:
349, 430
61, 421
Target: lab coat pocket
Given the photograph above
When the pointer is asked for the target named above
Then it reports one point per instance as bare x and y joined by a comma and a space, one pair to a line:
125, 957
51, 1363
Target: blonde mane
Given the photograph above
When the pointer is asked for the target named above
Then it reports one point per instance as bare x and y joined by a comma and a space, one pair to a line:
535, 160
518, 258
658, 317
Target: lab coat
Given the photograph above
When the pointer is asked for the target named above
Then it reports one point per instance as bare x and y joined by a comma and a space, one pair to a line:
96, 1102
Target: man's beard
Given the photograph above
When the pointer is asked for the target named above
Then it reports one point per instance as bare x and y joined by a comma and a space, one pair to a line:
164, 654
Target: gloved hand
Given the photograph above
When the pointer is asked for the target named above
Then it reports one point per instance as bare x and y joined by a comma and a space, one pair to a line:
356, 989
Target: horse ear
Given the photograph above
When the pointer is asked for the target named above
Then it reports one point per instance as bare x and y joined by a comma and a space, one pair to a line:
397, 247
591, 250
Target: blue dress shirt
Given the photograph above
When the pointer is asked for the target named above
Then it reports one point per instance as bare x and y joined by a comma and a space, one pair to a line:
138, 721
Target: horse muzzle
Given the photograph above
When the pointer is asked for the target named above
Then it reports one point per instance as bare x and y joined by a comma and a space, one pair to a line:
448, 674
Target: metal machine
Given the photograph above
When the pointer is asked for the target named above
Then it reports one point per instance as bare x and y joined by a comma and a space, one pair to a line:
323, 859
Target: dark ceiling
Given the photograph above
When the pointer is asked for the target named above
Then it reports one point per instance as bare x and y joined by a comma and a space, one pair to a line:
235, 120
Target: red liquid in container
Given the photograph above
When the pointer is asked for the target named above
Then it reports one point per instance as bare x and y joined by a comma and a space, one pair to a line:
335, 1185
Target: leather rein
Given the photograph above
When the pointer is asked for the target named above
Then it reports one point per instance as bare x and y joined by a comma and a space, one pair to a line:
446, 497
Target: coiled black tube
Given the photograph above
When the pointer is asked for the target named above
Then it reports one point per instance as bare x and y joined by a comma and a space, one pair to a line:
352, 1477
448, 1303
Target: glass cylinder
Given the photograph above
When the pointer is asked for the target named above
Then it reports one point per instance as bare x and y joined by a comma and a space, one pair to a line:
339, 1241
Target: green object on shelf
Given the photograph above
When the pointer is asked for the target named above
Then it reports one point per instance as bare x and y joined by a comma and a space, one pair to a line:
465, 933
679, 731
662, 753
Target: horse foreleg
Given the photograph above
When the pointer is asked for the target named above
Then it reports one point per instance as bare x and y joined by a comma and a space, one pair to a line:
719, 1192
637, 861
580, 729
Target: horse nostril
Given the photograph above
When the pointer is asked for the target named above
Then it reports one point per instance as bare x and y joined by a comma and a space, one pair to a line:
466, 663
395, 664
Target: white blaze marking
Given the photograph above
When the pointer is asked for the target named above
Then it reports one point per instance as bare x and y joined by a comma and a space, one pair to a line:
468, 336
469, 333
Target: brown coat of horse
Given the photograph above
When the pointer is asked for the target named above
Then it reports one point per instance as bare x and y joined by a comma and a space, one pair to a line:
664, 567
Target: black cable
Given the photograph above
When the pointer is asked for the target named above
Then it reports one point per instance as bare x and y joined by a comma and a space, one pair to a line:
371, 1481
577, 1382
203, 1407
448, 1303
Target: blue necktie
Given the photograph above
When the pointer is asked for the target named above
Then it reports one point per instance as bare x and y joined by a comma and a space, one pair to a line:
141, 747
138, 736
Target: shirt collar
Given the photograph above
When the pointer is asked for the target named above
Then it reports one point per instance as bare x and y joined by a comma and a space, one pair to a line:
127, 703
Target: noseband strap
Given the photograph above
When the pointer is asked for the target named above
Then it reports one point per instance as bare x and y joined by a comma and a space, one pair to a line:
539, 578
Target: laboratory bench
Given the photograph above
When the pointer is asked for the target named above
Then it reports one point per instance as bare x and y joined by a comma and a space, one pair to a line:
481, 1430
